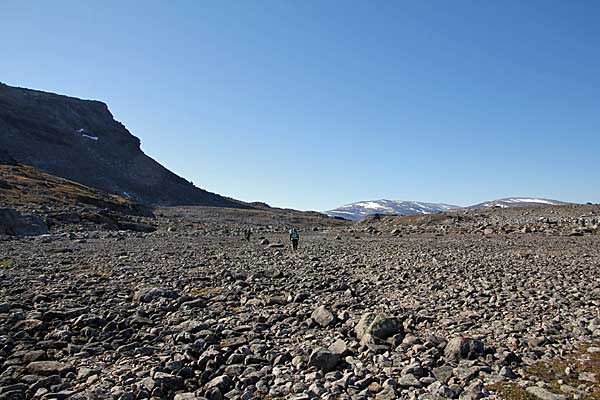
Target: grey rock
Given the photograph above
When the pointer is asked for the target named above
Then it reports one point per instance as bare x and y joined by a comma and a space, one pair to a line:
221, 382
377, 325
322, 316
150, 294
443, 373
544, 394
324, 359
339, 347
48, 367
463, 348
409, 381
171, 382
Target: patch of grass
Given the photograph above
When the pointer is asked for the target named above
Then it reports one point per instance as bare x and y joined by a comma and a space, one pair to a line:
6, 263
551, 373
511, 391
578, 362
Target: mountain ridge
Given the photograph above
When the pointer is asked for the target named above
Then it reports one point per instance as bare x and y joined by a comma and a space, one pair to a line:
358, 210
507, 202
80, 140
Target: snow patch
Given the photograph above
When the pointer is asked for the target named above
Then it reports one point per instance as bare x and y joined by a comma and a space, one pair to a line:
526, 200
90, 137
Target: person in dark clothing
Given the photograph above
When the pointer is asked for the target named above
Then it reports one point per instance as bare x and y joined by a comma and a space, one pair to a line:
247, 233
295, 238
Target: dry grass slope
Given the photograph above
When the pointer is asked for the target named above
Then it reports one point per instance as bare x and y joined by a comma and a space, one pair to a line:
23, 185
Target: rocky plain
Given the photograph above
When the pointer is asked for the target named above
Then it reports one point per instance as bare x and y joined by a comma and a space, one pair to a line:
499, 304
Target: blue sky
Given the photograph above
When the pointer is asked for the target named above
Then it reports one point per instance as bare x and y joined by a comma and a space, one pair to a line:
313, 104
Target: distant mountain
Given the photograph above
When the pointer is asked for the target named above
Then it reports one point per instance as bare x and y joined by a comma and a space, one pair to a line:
517, 202
80, 140
356, 211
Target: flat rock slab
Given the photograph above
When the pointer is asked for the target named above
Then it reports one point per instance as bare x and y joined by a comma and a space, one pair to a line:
544, 394
48, 368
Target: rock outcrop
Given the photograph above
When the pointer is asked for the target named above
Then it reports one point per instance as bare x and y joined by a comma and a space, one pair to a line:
13, 223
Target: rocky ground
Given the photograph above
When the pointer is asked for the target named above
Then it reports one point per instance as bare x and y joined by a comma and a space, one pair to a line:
414, 308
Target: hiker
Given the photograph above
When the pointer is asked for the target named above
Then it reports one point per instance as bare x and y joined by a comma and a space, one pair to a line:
295, 238
247, 233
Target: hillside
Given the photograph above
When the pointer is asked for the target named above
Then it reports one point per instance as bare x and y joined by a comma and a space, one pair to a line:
24, 186
81, 141
66, 205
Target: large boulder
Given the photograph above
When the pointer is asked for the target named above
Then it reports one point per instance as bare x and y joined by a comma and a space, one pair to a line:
48, 368
168, 381
322, 316
324, 359
372, 325
223, 383
148, 295
543, 394
13, 223
463, 348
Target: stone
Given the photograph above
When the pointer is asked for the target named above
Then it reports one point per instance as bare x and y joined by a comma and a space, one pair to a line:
440, 389
508, 373
323, 359
408, 381
475, 391
388, 393
48, 368
339, 347
544, 394
378, 326
84, 373
588, 377
463, 348
322, 316
465, 373
222, 383
148, 383
185, 396
169, 381
150, 294
443, 373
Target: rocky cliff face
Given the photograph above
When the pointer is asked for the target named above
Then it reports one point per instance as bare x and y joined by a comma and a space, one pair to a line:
80, 140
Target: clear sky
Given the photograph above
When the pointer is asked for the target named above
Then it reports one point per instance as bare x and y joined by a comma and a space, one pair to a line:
313, 104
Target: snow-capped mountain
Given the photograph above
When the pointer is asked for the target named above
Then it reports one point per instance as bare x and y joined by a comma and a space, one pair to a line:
517, 202
356, 211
